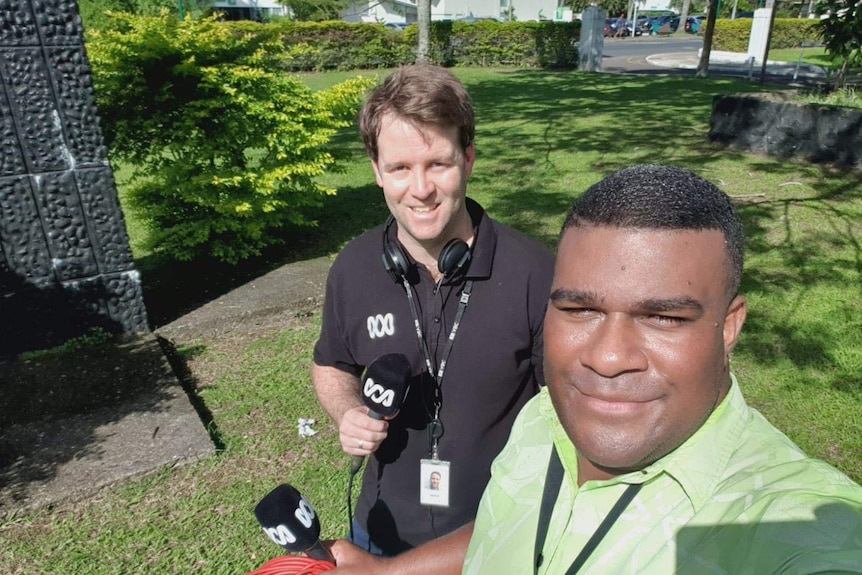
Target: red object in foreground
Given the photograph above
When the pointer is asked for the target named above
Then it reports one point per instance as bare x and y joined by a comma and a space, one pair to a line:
290, 565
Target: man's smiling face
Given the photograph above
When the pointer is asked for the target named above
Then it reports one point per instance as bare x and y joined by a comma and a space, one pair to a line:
637, 334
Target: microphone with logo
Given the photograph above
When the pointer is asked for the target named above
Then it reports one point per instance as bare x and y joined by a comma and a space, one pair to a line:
384, 387
289, 520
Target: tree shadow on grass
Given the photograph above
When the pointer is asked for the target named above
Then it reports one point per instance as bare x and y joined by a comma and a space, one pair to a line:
814, 254
526, 120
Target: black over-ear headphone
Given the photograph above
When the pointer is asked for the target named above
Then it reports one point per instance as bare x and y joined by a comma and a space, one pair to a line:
454, 257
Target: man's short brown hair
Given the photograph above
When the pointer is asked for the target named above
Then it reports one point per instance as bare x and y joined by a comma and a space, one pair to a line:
420, 94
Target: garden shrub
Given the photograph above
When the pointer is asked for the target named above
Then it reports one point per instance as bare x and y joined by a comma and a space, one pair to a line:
227, 146
733, 35
343, 45
347, 46
840, 28
488, 43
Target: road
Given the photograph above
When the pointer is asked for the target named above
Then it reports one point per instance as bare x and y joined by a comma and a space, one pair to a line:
637, 49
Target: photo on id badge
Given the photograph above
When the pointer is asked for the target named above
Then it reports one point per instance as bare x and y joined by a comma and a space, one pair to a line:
434, 483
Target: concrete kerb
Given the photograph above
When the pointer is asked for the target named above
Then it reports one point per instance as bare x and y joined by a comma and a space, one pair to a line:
735, 62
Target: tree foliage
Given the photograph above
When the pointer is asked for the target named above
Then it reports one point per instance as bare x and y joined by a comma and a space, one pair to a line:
94, 13
612, 8
841, 31
228, 146
315, 10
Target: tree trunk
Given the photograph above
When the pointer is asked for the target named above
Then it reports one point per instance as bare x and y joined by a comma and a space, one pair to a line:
703, 65
423, 19
682, 16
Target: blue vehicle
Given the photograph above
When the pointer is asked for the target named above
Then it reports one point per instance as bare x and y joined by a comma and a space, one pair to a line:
693, 24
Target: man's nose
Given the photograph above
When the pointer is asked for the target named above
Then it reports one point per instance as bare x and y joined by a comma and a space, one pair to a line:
614, 347
423, 184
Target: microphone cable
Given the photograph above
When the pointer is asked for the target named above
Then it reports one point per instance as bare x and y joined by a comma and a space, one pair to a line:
291, 565
350, 501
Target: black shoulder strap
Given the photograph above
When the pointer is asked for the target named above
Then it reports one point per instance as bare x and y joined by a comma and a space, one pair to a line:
553, 482
603, 529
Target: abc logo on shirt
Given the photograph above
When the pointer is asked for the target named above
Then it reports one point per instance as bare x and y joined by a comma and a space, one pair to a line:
380, 325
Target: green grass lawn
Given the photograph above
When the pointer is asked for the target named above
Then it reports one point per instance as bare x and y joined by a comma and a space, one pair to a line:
813, 55
542, 138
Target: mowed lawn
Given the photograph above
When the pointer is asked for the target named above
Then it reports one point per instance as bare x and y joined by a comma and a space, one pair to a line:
542, 138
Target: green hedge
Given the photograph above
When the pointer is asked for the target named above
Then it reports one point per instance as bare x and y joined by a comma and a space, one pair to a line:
342, 45
347, 46
733, 35
488, 43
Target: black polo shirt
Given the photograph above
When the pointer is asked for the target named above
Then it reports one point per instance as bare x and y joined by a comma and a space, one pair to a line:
494, 367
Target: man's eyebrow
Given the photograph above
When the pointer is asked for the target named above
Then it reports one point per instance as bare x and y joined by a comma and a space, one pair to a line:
660, 305
653, 305
574, 296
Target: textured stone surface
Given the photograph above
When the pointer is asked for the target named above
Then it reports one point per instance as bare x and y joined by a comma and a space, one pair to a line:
105, 218
76, 104
17, 25
29, 89
68, 236
66, 263
11, 158
125, 300
58, 21
22, 236
787, 129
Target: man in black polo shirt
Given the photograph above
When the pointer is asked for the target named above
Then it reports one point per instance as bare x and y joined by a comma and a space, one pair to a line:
476, 288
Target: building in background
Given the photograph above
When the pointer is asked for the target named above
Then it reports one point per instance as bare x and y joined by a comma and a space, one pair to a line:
249, 9
405, 10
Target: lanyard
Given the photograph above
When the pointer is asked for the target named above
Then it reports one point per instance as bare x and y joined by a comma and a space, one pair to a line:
436, 427
553, 482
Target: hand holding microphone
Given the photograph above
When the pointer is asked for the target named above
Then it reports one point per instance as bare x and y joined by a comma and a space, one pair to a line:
384, 387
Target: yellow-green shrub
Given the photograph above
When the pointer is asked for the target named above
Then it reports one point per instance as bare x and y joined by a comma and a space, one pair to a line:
227, 145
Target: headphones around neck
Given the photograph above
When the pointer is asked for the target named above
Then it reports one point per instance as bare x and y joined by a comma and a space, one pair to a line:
454, 257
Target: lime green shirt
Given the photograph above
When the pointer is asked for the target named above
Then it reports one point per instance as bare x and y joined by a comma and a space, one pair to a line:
737, 498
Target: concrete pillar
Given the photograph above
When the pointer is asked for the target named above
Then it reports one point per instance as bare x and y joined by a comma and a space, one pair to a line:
592, 41
65, 262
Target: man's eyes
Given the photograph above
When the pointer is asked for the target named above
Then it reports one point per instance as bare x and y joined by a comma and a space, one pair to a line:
577, 310
660, 320
433, 166
667, 320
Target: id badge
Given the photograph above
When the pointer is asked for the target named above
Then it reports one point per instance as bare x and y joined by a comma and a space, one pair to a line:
434, 482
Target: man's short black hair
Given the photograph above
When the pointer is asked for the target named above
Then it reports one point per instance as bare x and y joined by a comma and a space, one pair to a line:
666, 198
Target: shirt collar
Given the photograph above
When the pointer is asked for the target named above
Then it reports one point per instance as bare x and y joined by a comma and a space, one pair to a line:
484, 243
697, 465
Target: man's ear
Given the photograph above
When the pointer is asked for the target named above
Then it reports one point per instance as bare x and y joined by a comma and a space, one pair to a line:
733, 321
376, 168
469, 159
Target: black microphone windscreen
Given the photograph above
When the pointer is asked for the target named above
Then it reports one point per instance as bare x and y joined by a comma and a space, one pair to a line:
385, 382
288, 519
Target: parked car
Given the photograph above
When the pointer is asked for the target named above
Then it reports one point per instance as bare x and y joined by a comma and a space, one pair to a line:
657, 24
693, 23
643, 24
397, 25
620, 28
631, 29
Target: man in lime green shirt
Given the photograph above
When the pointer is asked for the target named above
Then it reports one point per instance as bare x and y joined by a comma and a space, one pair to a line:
641, 455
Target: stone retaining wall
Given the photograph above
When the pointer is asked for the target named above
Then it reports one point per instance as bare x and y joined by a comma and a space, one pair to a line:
772, 125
